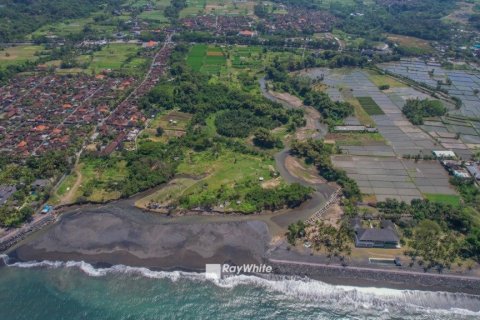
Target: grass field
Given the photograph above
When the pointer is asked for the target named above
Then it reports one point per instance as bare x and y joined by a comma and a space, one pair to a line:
18, 54
173, 123
206, 59
97, 175
410, 42
117, 56
223, 170
214, 172
370, 106
153, 15
453, 200
75, 26
355, 139
218, 7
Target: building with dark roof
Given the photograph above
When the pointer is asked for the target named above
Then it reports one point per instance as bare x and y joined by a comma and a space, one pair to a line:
386, 237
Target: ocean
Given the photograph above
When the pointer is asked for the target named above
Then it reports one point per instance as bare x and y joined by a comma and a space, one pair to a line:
76, 290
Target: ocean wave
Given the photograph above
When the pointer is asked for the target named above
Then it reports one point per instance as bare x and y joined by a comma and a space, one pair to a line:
382, 300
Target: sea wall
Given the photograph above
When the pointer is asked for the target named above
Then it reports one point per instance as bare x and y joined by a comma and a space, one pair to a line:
336, 274
9, 241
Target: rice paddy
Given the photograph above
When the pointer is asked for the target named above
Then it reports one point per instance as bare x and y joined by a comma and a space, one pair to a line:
370, 106
207, 59
375, 161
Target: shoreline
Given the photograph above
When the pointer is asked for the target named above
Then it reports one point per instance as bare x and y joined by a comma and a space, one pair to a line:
335, 275
120, 235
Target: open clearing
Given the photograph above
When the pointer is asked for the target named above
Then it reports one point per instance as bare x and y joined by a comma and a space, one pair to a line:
410, 42
173, 123
18, 54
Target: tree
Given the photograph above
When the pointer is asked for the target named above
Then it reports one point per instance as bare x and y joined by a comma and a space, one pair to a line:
433, 245
159, 132
295, 231
264, 139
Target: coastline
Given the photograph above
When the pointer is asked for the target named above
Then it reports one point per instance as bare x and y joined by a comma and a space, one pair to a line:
109, 236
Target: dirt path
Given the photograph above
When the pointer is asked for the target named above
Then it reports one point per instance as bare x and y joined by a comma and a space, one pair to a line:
70, 196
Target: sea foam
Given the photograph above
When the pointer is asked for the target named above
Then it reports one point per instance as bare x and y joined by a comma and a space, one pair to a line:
382, 300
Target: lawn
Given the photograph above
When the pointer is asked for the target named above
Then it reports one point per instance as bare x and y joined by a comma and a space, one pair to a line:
370, 106
451, 199
18, 54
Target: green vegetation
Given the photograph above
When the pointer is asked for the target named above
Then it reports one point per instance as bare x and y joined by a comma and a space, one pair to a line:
370, 106
122, 175
19, 54
173, 10
296, 231
318, 153
416, 110
241, 123
18, 208
439, 232
265, 139
118, 57
19, 18
450, 199
231, 174
333, 112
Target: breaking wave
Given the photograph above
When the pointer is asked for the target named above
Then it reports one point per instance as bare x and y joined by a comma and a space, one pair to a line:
428, 304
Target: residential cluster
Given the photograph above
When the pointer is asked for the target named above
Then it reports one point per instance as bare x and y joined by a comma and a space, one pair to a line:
126, 121
300, 20
296, 20
219, 25
42, 113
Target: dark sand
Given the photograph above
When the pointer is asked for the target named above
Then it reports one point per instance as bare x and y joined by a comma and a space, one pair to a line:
112, 235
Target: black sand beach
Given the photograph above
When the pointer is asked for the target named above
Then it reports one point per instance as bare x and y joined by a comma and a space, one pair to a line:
120, 234
112, 235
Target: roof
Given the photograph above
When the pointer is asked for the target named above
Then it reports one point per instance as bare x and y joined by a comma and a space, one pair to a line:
40, 183
474, 170
373, 234
444, 154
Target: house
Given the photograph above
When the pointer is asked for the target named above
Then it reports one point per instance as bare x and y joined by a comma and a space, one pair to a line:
444, 154
247, 33
40, 184
455, 168
384, 237
474, 170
